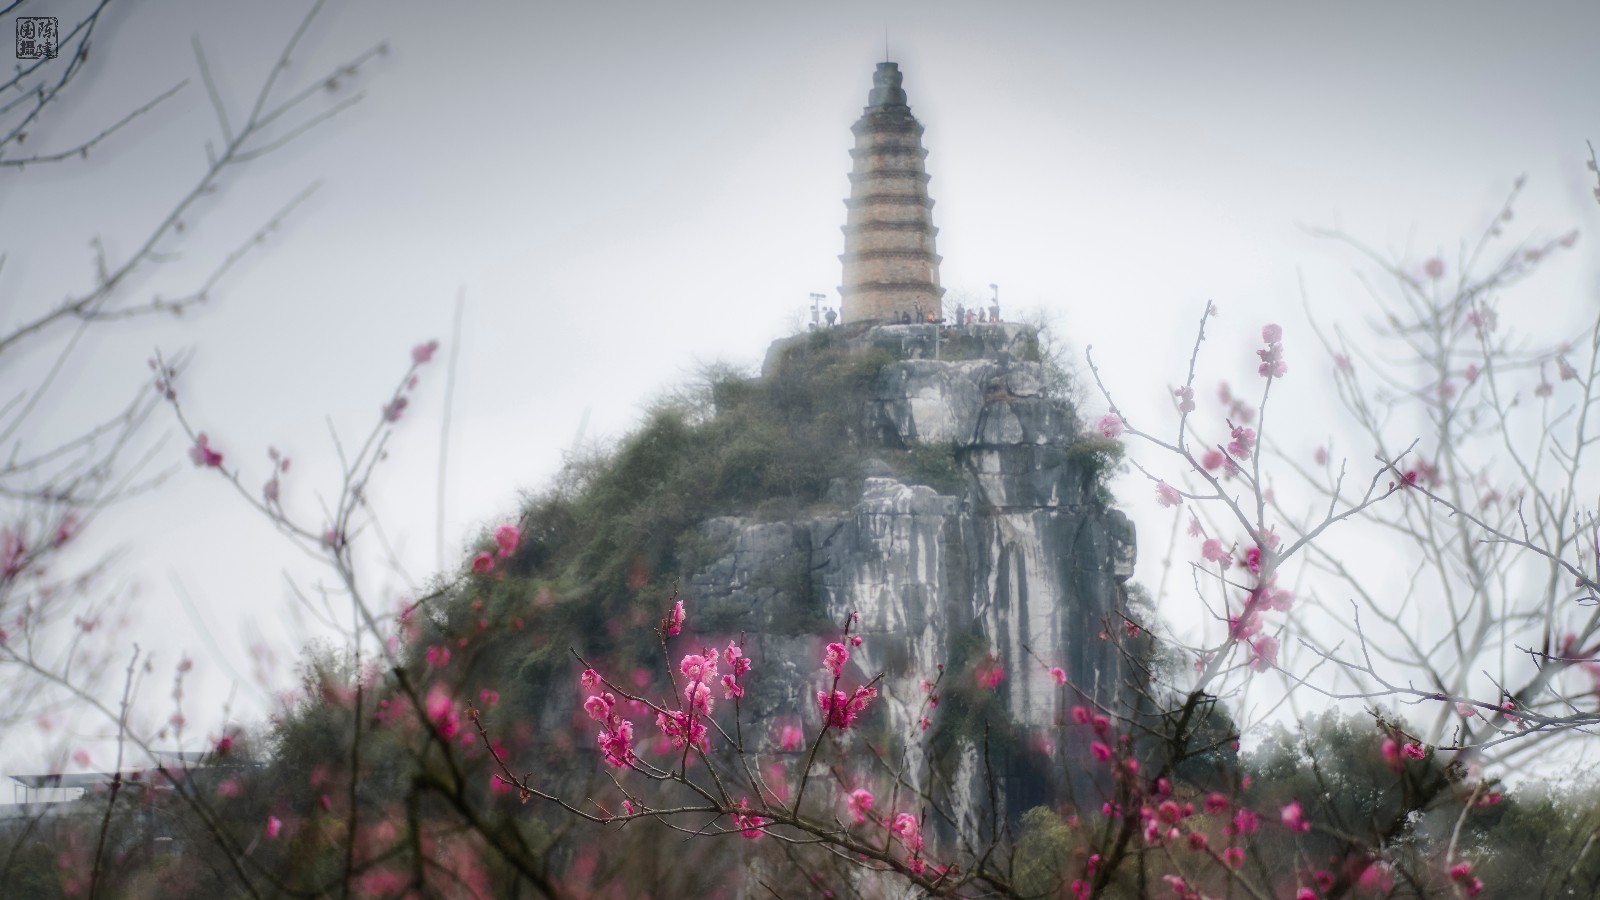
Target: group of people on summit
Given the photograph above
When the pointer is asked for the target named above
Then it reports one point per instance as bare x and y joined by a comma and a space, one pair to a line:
963, 316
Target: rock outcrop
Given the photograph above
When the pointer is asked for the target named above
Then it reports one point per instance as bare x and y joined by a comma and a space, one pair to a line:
1017, 557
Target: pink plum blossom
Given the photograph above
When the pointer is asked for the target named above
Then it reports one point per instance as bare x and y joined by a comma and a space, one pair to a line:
1376, 878
1263, 652
1244, 625
274, 826
441, 709
1272, 363
1244, 440
1277, 598
675, 619
839, 711
599, 706
1293, 818
683, 730
483, 563
835, 658
1110, 425
909, 830
859, 802
699, 668
423, 353
698, 698
507, 538
990, 673
749, 824
1396, 753
1461, 873
202, 454
1167, 495
616, 742
1058, 674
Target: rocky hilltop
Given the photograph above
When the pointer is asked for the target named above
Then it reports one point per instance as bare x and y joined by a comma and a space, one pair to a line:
1013, 556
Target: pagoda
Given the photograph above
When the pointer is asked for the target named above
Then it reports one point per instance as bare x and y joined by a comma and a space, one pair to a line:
890, 266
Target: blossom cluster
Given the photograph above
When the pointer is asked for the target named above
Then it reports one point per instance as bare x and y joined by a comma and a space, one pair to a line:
748, 823
421, 354
839, 709
1398, 753
616, 733
506, 538
1265, 596
1272, 363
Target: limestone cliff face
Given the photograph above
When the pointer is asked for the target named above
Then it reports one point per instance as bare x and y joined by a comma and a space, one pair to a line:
1019, 556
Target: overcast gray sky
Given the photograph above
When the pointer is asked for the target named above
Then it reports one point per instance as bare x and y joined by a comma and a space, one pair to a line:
624, 190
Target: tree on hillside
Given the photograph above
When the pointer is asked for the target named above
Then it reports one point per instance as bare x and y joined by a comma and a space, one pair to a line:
57, 659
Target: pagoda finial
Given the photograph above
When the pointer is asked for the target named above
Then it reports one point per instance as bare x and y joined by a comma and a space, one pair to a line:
886, 89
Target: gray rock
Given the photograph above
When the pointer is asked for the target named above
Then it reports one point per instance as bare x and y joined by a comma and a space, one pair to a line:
1023, 557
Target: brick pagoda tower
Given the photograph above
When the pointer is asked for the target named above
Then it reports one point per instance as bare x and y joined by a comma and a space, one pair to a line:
889, 263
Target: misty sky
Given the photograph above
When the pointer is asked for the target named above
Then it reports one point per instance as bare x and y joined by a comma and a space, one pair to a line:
626, 191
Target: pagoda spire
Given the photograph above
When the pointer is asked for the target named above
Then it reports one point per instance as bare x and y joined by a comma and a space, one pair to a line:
890, 265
